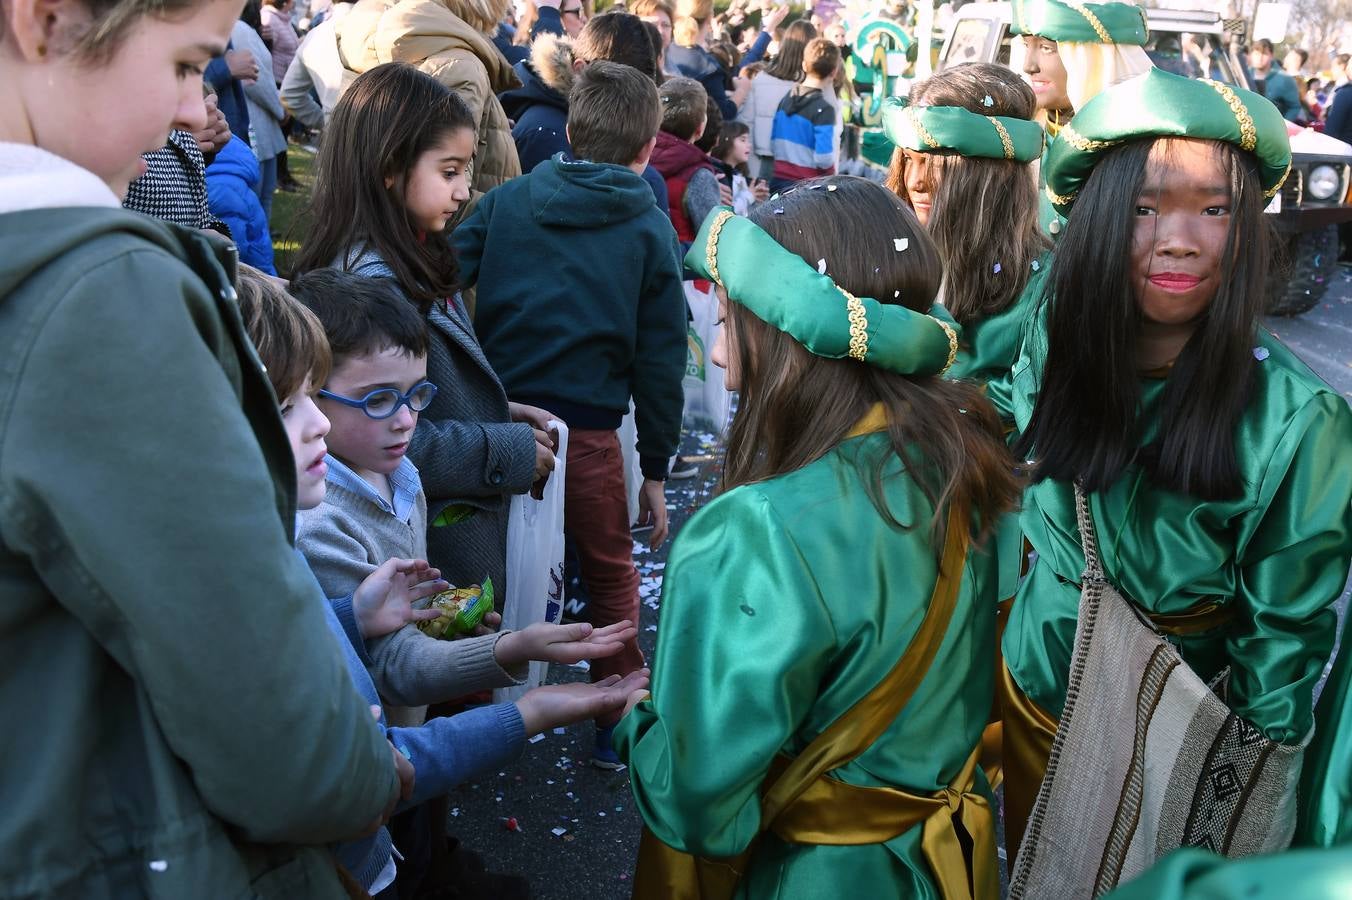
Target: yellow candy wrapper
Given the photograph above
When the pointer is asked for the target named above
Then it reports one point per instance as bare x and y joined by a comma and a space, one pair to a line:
462, 609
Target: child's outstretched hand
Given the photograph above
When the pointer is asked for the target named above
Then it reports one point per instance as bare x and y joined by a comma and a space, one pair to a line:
383, 603
565, 644
562, 704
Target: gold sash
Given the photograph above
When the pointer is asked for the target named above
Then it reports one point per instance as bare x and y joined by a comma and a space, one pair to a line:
801, 804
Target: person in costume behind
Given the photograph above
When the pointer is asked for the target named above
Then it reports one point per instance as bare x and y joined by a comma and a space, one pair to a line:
1213, 459
852, 467
964, 141
1070, 53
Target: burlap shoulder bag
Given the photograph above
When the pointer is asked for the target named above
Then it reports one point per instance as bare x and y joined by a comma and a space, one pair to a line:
1146, 759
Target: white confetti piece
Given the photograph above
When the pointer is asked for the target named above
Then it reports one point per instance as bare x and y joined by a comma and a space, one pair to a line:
159, 865
830, 187
558, 832
1260, 353
987, 101
1037, 266
560, 730
821, 267
997, 268
901, 243
537, 739
777, 211
896, 293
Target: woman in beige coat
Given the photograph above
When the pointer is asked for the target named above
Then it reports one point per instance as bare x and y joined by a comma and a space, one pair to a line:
449, 40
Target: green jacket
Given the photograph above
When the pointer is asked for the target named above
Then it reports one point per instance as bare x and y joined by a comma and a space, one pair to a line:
180, 722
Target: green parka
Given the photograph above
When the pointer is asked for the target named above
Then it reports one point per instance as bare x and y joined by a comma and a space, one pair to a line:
179, 722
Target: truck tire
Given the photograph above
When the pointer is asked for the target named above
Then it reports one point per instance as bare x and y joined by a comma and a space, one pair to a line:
1300, 280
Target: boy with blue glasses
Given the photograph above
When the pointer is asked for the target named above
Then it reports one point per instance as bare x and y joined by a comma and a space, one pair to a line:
374, 507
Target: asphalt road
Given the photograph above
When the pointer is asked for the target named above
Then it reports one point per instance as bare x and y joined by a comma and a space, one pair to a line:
552, 787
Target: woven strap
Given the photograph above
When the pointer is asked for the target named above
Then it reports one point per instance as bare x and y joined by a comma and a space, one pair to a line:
1093, 565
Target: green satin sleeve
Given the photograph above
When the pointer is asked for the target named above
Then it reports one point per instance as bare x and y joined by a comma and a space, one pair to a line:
1324, 818
1293, 560
1199, 875
744, 639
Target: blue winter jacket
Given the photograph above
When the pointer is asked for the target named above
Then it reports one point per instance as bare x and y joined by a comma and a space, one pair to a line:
232, 194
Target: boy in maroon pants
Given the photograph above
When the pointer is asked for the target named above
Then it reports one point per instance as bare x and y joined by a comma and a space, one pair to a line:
579, 309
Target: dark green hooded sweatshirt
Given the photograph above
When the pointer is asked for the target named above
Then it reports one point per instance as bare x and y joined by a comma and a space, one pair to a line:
580, 303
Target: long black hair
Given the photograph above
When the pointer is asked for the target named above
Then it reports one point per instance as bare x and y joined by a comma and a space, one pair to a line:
1086, 423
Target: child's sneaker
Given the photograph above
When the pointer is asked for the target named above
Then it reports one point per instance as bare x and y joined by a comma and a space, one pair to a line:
603, 752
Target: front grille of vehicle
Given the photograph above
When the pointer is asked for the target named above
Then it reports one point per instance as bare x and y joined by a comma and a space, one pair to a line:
1293, 189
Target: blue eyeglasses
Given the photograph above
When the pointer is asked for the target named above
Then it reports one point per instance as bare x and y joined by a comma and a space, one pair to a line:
385, 402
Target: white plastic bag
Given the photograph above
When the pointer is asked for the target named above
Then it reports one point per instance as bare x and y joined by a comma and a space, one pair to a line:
633, 475
707, 403
535, 563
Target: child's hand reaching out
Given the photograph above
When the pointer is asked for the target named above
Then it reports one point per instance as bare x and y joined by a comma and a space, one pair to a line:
382, 604
562, 704
564, 644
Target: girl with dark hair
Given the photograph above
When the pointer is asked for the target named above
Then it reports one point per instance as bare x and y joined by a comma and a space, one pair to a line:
769, 88
731, 154
152, 597
1213, 461
390, 175
858, 487
965, 143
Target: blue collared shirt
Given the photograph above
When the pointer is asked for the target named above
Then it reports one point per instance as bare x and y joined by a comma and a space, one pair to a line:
405, 485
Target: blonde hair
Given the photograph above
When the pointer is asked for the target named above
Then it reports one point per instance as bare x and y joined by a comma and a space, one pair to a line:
699, 10
685, 32
288, 337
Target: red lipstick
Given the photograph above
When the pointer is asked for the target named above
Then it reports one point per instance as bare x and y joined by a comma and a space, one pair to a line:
1174, 281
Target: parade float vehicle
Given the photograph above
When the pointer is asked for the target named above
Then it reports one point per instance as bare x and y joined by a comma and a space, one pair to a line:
1315, 197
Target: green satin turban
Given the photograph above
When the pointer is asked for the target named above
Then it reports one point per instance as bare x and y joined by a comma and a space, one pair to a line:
928, 128
782, 290
1080, 23
1161, 104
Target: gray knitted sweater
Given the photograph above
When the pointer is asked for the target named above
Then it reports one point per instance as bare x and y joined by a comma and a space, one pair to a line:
344, 539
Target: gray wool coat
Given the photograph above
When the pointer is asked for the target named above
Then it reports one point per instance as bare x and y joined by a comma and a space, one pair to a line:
466, 448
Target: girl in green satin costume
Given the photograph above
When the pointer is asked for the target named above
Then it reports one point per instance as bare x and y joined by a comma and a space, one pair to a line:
790, 596
979, 206
1215, 461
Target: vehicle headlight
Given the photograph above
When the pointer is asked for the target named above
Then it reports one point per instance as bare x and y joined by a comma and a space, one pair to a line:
1323, 182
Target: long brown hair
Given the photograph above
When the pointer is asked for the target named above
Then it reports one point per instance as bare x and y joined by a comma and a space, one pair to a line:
788, 62
795, 407
389, 117
985, 212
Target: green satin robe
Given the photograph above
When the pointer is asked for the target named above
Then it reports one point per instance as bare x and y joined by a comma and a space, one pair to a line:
1279, 553
1325, 807
784, 603
988, 347
1199, 875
